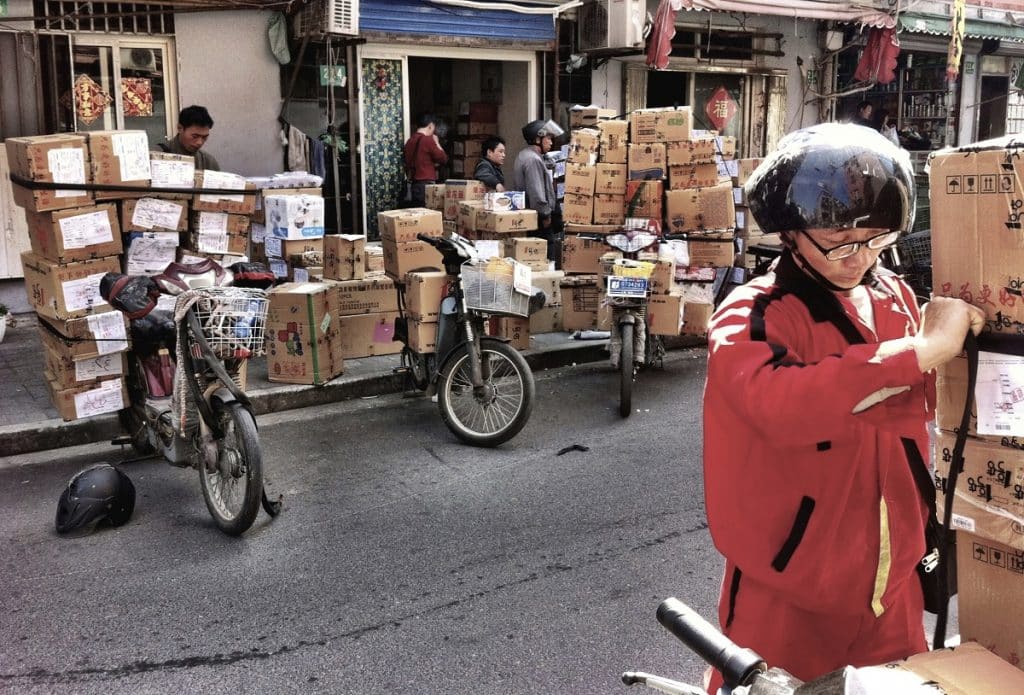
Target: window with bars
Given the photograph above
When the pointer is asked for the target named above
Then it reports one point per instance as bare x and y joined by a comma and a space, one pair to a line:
119, 17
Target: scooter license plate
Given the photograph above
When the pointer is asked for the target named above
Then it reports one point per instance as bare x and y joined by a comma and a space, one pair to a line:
621, 286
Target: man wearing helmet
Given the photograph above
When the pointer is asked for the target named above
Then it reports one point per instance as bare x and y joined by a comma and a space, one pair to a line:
531, 174
819, 391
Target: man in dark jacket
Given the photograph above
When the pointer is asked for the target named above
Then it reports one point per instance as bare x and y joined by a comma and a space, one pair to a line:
194, 125
488, 169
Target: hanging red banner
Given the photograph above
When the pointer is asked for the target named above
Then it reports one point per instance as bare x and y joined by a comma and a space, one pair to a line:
721, 108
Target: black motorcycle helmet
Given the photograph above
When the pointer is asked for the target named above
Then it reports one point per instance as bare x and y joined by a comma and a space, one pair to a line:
833, 176
535, 130
98, 494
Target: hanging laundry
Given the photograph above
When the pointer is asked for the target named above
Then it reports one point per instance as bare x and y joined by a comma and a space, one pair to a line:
317, 165
298, 143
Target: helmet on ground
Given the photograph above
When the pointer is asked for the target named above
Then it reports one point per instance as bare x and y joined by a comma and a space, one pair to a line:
833, 176
98, 494
538, 129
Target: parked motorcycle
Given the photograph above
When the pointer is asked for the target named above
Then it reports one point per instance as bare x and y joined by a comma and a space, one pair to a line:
187, 376
484, 386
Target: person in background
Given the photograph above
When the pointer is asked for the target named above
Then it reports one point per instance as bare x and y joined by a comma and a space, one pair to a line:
488, 169
820, 388
863, 115
194, 126
423, 154
531, 173
887, 127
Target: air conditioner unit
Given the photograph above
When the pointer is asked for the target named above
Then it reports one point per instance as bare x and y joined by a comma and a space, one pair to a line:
326, 17
611, 24
143, 59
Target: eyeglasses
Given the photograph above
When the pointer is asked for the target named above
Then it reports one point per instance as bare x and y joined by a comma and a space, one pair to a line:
837, 253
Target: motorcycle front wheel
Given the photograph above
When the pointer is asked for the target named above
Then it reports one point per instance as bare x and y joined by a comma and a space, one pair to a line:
232, 489
498, 411
626, 370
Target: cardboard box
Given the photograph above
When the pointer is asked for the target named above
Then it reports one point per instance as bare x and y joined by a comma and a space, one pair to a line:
466, 222
422, 336
673, 125
609, 209
663, 277
587, 116
61, 158
726, 145
169, 170
990, 579
583, 146
643, 199
241, 203
665, 314
75, 234
550, 282
154, 215
531, 251
423, 294
303, 338
580, 178
746, 167
220, 232
582, 255
506, 221
458, 190
367, 335
366, 296
643, 126
87, 337
968, 669
696, 318
119, 158
343, 256
610, 179
693, 176
515, 329
467, 148
593, 229
294, 216
712, 250
578, 209
580, 301
259, 214
700, 209
435, 196
687, 152
149, 253
646, 162
68, 372
504, 200
284, 249
480, 111
546, 320
402, 226
476, 128
66, 290
614, 142
97, 398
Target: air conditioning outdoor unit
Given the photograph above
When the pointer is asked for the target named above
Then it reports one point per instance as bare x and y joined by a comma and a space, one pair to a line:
325, 17
611, 24
143, 59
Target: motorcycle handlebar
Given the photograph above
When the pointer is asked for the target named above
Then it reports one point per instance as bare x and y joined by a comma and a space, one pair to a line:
738, 666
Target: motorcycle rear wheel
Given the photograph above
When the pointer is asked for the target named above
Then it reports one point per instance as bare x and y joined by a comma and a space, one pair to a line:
232, 490
626, 369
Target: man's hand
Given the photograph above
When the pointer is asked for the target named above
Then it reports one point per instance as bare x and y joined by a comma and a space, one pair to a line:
545, 221
944, 325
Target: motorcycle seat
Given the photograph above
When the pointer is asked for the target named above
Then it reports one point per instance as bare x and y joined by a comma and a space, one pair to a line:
182, 277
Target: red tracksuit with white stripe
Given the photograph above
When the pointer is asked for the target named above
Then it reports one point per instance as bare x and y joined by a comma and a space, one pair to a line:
808, 489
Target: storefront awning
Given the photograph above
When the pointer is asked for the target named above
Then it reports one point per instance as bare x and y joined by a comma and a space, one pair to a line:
871, 13
426, 18
940, 25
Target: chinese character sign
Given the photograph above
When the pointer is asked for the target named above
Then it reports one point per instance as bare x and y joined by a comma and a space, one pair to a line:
721, 108
956, 40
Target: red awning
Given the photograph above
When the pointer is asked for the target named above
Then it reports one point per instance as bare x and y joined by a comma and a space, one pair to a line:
659, 42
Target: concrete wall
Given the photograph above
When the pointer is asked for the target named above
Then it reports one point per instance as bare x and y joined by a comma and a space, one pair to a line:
225, 64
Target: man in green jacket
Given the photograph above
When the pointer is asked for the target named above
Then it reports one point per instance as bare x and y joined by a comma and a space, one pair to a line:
194, 124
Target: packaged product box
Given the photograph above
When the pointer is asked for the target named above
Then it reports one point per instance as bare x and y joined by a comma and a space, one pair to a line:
609, 209
693, 176
967, 669
154, 215
294, 216
400, 258
695, 292
120, 158
423, 294
169, 170
515, 329
614, 142
610, 179
343, 256
990, 580
646, 162
75, 234
422, 336
366, 296
506, 221
90, 336
977, 237
66, 290
745, 167
505, 200
149, 253
219, 232
550, 282
374, 257
402, 226
583, 146
260, 213
673, 125
68, 372
582, 255
580, 178
458, 190
60, 158
303, 334
951, 390
989, 500
712, 249
468, 211
643, 126
434, 197
580, 300
546, 320
688, 152
578, 209
366, 335
665, 314
98, 398
643, 199
284, 249
588, 116
700, 209
530, 251
305, 274
241, 203
696, 318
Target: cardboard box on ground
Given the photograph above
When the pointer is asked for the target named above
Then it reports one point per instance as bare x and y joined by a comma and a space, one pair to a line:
303, 341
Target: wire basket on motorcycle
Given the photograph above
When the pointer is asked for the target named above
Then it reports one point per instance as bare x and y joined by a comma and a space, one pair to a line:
233, 320
497, 286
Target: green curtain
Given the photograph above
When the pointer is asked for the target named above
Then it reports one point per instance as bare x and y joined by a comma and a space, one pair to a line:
382, 138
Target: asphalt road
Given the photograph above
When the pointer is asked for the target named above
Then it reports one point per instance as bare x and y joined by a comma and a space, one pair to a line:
403, 563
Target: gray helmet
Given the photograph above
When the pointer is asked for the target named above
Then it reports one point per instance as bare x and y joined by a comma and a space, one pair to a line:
833, 176
538, 129
98, 494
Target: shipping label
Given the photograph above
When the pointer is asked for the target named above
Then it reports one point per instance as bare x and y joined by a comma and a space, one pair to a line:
67, 165
109, 331
999, 394
82, 293
86, 230
213, 222
220, 179
132, 150
171, 174
151, 252
212, 242
152, 212
106, 398
97, 367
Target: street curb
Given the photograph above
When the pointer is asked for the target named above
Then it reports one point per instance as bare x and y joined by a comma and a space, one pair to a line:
56, 434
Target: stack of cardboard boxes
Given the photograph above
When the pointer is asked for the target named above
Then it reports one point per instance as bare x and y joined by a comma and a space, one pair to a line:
288, 228
478, 120
977, 255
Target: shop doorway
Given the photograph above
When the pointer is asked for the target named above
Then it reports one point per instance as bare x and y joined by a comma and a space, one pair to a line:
668, 88
992, 109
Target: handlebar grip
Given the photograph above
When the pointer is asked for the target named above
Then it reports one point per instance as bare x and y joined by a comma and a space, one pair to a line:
429, 239
737, 665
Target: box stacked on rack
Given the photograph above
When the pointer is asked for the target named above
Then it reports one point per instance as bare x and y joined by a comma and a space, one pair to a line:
290, 253
366, 313
403, 251
424, 291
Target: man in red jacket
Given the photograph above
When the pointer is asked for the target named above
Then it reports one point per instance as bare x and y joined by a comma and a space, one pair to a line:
819, 387
423, 154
